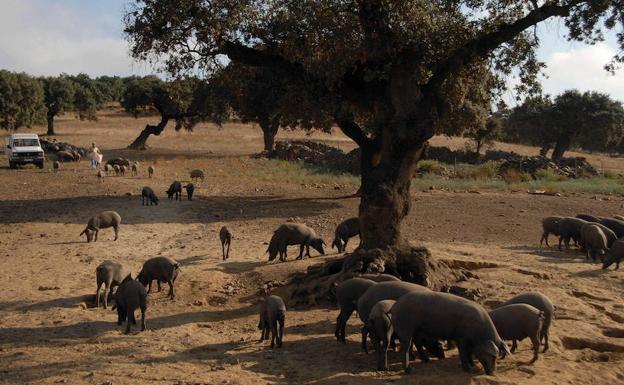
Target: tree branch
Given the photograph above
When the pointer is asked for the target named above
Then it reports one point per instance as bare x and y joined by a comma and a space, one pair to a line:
378, 36
486, 43
351, 129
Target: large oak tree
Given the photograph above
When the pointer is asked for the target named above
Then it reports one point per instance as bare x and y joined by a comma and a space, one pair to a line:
391, 70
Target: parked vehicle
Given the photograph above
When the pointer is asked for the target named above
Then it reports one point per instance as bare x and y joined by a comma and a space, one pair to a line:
24, 149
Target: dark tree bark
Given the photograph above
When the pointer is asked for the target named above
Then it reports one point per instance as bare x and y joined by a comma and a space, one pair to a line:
269, 131
50, 119
544, 150
140, 143
478, 149
562, 145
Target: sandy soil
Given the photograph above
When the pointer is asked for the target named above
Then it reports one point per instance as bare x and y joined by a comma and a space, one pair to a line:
50, 333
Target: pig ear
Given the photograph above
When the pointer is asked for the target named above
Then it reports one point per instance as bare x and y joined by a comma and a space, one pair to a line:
490, 348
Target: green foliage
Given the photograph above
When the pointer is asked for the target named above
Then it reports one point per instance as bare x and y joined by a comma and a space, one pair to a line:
431, 167
549, 175
486, 133
21, 100
85, 103
59, 94
590, 120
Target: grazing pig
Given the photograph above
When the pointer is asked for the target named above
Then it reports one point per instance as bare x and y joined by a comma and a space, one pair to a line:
344, 231
100, 176
614, 224
570, 228
190, 189
518, 321
150, 171
550, 225
175, 190
382, 291
161, 269
614, 255
594, 240
64, 156
111, 274
148, 197
197, 174
540, 302
294, 234
445, 316
588, 218
130, 296
226, 239
272, 313
101, 221
379, 328
135, 168
56, 165
347, 294
109, 169
380, 277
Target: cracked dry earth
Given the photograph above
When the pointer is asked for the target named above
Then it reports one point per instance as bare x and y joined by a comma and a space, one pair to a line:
51, 334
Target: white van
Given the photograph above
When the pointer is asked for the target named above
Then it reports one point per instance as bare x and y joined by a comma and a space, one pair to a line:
24, 149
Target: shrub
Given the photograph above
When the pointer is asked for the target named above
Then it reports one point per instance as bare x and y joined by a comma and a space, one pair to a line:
610, 174
549, 175
514, 176
487, 170
430, 167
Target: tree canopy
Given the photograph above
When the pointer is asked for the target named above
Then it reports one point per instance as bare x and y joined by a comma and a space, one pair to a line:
187, 101
21, 100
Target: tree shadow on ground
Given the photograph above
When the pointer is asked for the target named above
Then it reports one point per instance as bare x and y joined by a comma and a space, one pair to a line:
77, 210
68, 302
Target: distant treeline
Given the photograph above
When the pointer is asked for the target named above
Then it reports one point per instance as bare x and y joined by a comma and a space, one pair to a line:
590, 121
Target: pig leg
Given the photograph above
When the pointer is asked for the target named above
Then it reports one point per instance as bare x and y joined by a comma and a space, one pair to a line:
536, 344
96, 234
341, 324
116, 228
223, 250
308, 251
465, 355
158, 284
280, 335
227, 254
545, 337
129, 322
560, 240
344, 245
514, 346
171, 291
97, 293
143, 308
107, 289
149, 287
382, 351
300, 251
406, 343
364, 335
273, 323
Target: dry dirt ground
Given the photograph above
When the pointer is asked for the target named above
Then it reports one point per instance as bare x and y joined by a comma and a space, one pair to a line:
50, 333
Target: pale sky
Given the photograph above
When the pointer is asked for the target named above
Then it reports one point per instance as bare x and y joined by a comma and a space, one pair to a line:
47, 37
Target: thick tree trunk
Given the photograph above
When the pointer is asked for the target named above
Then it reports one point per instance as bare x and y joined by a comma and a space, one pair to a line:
269, 131
50, 119
478, 150
385, 201
269, 126
561, 147
140, 143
